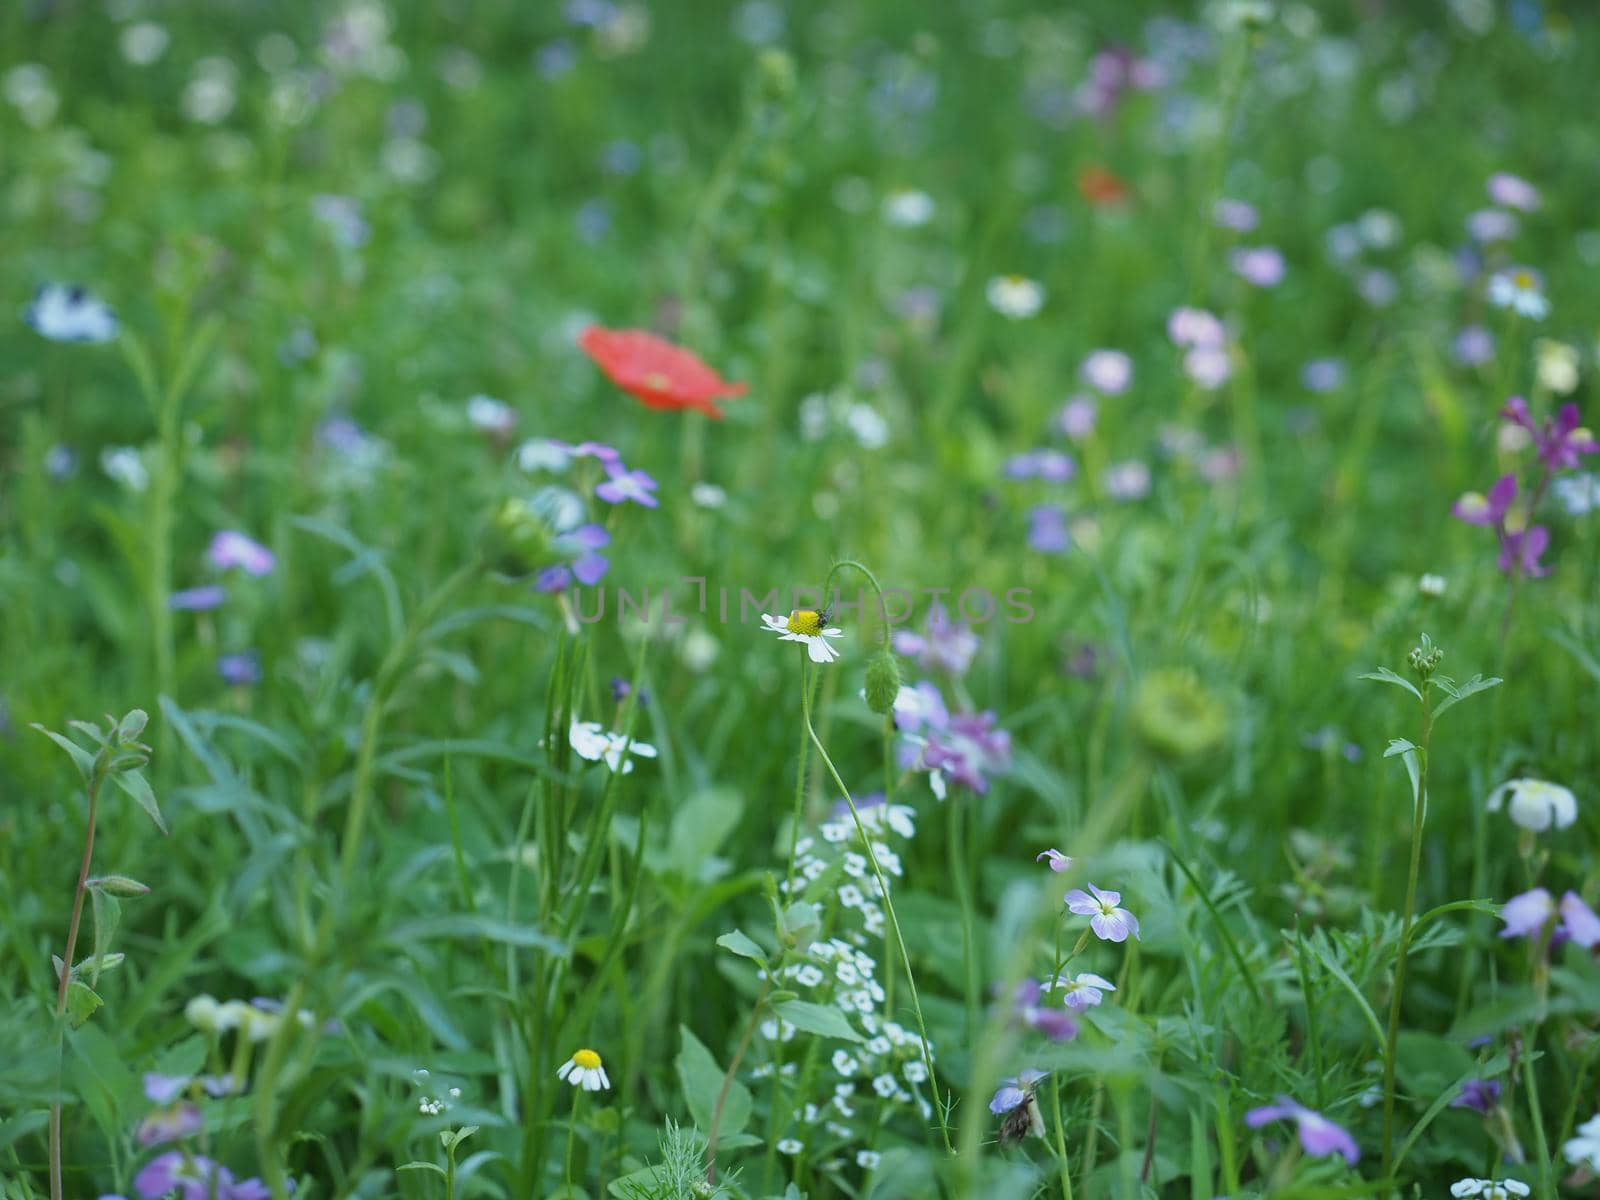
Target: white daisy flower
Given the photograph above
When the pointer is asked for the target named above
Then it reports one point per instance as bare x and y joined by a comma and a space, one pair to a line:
1535, 803
585, 1070
1489, 1189
868, 1160
1431, 585
68, 313
908, 208
809, 627
790, 1146
594, 742
1519, 289
489, 415
1015, 296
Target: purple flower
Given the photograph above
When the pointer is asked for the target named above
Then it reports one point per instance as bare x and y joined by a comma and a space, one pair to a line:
1319, 1136
242, 669
625, 485
1107, 371
1052, 1022
553, 579
170, 1125
1259, 266
1480, 1095
1127, 480
1527, 915
1579, 924
1076, 420
164, 1089
1513, 192
1477, 509
1047, 529
584, 543
1235, 215
1322, 374
920, 706
1195, 328
1208, 366
946, 645
621, 689
195, 1177
231, 548
1083, 992
1058, 861
198, 599
1473, 346
1052, 466
1520, 550
1109, 922
964, 748
1491, 225
1014, 1092
1561, 440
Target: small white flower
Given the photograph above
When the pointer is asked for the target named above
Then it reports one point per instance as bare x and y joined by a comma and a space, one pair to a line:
915, 1071
1536, 804
1015, 296
143, 42
490, 415
844, 1064
68, 313
908, 208
708, 495
594, 743
125, 465
1519, 290
1085, 991
1585, 1148
885, 1085
585, 1070
1431, 585
790, 1146
868, 1160
810, 628
1489, 1189
1577, 493
809, 976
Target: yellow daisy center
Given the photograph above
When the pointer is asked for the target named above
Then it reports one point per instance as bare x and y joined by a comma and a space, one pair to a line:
806, 621
1523, 280
587, 1059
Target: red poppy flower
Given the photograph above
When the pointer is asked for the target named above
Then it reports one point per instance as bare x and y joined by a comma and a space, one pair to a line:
1102, 188
656, 371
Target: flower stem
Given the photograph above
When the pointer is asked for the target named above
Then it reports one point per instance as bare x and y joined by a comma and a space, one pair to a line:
1418, 811
958, 871
800, 774
1061, 1138
572, 1132
727, 1081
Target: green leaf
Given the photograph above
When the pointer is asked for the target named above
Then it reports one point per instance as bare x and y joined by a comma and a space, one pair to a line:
736, 942
82, 1000
1470, 688
702, 1078
472, 925
419, 1165
135, 785
117, 885
1384, 675
450, 1138
819, 1019
80, 756
104, 912
1349, 985
699, 828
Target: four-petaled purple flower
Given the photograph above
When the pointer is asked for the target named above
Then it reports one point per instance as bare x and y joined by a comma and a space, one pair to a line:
1528, 914
1012, 1093
1480, 1095
230, 548
1319, 1136
1579, 924
945, 645
625, 485
1109, 922
1084, 991
194, 1177
1560, 440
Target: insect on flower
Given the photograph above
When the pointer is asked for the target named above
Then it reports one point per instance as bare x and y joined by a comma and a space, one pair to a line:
1015, 1104
808, 626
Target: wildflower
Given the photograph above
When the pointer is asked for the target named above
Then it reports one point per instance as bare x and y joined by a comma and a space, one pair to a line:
1535, 803
1477, 509
1083, 992
708, 495
341, 217
1235, 215
1431, 585
1489, 1189
194, 1177
1584, 1149
230, 548
1527, 915
790, 1146
1015, 296
198, 599
1107, 371
1480, 1095
1473, 346
1014, 1101
143, 42
1512, 192
1556, 365
908, 208
1579, 924
1054, 1024
1058, 861
1208, 366
1318, 1135
967, 751
491, 416
172, 1121
1521, 549
1076, 419
809, 627
1101, 187
625, 485
1520, 290
242, 669
868, 1160
68, 313
593, 742
1109, 922
1579, 494
945, 645
1047, 529
1322, 375
588, 564
584, 1070
1052, 466
1259, 266
657, 372
877, 814
1560, 439
1490, 225
1128, 480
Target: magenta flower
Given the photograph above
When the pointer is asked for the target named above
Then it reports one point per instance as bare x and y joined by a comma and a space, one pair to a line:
946, 645
1579, 924
1477, 509
1319, 1137
1109, 922
1560, 440
1520, 551
231, 548
625, 485
1528, 914
1058, 861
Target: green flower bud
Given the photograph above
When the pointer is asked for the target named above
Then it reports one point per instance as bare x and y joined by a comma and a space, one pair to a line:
1177, 715
883, 682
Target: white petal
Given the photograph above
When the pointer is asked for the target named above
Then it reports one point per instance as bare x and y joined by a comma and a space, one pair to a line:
644, 749
605, 1080
820, 651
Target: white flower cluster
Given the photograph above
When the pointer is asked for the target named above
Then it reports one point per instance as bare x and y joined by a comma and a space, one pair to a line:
888, 1066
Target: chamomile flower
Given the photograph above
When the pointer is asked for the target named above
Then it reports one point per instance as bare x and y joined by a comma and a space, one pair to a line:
808, 627
593, 742
68, 313
1519, 289
1015, 296
585, 1070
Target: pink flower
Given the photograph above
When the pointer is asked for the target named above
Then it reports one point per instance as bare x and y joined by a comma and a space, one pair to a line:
231, 548
1513, 191
1108, 371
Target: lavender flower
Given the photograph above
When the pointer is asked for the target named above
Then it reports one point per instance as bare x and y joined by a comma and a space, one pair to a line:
1052, 466
582, 545
1107, 371
1259, 266
1109, 922
945, 645
1480, 1095
1235, 215
1319, 1136
242, 669
1082, 992
1473, 346
1015, 1091
1560, 440
964, 748
1058, 861
1053, 1023
1511, 191
230, 548
625, 485
198, 599
1528, 914
1322, 374
1128, 480
1579, 924
1076, 419
194, 1177
1047, 529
